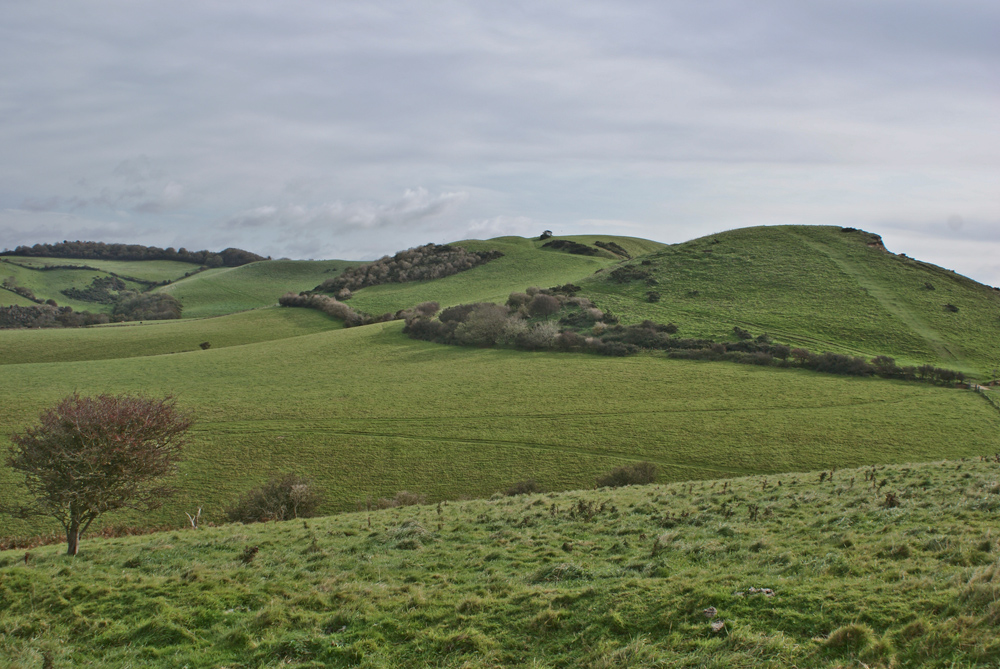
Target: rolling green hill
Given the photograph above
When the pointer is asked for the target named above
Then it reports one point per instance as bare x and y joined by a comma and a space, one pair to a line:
216, 292
367, 411
525, 263
577, 579
816, 287
891, 567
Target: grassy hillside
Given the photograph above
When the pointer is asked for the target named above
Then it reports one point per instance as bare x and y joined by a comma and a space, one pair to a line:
49, 284
127, 340
148, 270
226, 290
804, 570
525, 263
367, 411
816, 287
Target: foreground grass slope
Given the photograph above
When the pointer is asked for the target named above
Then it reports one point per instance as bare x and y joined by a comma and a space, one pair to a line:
366, 411
805, 570
817, 287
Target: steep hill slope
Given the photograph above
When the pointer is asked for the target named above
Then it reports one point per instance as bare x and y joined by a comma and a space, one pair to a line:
822, 288
877, 567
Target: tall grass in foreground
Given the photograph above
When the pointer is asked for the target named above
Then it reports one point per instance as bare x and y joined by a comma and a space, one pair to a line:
880, 567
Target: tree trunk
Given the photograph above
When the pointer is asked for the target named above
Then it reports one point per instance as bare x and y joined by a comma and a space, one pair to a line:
73, 538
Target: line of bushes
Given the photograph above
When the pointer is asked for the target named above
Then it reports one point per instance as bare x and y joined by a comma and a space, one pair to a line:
540, 319
431, 261
231, 257
128, 307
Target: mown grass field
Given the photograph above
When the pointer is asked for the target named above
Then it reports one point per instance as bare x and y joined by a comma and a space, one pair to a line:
49, 284
221, 291
367, 411
801, 570
816, 287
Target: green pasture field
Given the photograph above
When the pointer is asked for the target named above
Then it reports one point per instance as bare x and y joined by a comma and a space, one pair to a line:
798, 570
10, 298
815, 287
148, 270
367, 411
216, 292
48, 284
525, 263
127, 340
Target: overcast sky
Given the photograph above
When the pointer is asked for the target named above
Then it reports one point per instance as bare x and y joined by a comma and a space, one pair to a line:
355, 129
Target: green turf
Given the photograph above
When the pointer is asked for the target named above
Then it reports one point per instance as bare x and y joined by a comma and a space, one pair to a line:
148, 270
606, 578
815, 287
126, 340
369, 412
226, 290
49, 284
525, 263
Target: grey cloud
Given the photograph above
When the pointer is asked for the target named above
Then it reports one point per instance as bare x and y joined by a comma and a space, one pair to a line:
413, 207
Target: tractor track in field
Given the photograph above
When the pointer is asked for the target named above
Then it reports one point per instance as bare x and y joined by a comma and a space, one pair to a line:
317, 423
887, 300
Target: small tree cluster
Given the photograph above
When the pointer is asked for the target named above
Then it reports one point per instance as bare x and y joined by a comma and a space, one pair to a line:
617, 249
103, 290
282, 498
100, 251
431, 261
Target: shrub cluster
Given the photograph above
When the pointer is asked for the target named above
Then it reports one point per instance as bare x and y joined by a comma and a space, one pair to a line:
47, 316
639, 473
431, 261
230, 257
282, 498
628, 273
570, 246
332, 307
146, 307
614, 248
103, 290
543, 320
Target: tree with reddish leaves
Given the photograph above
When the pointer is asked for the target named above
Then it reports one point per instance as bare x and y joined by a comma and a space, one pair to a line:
91, 455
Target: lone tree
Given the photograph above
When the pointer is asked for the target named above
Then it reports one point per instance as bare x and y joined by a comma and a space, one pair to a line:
89, 455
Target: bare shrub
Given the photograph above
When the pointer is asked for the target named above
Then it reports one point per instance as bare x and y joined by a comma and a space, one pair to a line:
541, 336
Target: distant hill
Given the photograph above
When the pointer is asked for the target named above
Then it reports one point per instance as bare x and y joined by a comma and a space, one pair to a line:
230, 257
